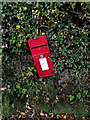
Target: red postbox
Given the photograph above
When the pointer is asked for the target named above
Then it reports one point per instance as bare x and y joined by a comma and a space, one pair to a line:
41, 55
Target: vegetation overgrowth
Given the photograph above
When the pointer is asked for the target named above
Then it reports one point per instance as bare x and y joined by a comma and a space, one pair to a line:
66, 26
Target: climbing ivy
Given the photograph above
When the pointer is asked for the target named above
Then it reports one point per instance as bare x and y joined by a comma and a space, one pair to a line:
65, 25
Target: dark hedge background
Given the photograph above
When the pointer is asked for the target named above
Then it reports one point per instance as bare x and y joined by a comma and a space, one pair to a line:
66, 26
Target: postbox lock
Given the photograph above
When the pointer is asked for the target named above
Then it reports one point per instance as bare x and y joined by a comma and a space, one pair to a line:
41, 56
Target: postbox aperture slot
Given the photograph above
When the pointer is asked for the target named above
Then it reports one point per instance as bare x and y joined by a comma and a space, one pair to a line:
39, 46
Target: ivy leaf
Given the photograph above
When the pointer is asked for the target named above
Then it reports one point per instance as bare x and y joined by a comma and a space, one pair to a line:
71, 97
18, 26
85, 92
78, 96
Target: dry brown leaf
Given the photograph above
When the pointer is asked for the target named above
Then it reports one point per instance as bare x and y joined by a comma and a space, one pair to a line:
62, 115
27, 107
41, 113
33, 114
33, 105
56, 97
71, 103
71, 117
52, 115
46, 115
45, 86
22, 113
27, 103
83, 118
17, 111
19, 116
63, 97
27, 111
65, 117
58, 116
4, 88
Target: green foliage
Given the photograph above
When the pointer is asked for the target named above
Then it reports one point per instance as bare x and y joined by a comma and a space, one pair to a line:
69, 48
11, 104
85, 92
71, 97
79, 95
67, 33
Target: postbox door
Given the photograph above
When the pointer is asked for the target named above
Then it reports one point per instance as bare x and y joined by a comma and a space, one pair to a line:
40, 52
44, 65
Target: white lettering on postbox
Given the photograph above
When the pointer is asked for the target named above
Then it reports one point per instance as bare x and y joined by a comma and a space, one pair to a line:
44, 64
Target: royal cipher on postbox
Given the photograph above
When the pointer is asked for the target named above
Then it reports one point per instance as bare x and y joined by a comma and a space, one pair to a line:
41, 55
